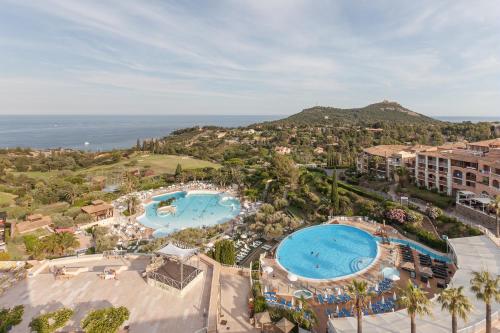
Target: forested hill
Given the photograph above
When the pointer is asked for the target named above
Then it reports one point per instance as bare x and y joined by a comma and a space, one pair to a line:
385, 111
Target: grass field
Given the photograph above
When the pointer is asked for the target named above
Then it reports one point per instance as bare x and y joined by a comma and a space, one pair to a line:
158, 163
6, 199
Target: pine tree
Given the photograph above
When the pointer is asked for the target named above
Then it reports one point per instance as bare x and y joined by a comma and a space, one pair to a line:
334, 194
138, 145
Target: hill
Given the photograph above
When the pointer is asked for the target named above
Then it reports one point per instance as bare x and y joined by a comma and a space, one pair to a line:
374, 113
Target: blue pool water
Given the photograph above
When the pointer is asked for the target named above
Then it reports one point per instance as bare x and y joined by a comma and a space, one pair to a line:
327, 252
192, 210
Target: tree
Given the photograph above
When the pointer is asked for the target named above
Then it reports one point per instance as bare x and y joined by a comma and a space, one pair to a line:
456, 303
178, 172
495, 206
50, 322
10, 317
360, 295
107, 320
334, 194
416, 303
224, 252
132, 203
486, 288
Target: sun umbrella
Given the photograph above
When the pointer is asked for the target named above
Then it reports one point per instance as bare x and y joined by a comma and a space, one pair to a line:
339, 292
428, 284
292, 277
393, 277
244, 236
376, 287
265, 288
370, 304
337, 310
267, 269
285, 325
394, 296
383, 299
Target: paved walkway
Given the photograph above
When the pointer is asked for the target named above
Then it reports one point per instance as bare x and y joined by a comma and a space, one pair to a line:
234, 303
473, 254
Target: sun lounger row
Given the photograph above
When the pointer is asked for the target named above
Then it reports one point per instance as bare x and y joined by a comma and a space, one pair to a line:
406, 253
425, 260
332, 299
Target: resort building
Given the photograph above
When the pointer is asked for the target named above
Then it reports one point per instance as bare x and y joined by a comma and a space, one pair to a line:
33, 222
383, 160
475, 168
99, 210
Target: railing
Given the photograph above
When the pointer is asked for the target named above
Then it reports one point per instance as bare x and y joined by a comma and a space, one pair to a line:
171, 282
490, 235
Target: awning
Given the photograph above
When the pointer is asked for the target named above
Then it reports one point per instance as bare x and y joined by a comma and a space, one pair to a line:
482, 200
172, 250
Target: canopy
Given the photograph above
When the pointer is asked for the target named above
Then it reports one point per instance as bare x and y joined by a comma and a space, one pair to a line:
263, 318
393, 277
267, 269
285, 325
482, 200
172, 250
292, 277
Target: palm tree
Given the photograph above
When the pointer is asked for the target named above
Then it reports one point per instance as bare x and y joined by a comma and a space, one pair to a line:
415, 301
360, 295
456, 303
487, 290
495, 205
132, 202
305, 317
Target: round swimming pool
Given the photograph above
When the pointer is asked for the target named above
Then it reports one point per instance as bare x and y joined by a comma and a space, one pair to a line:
327, 252
190, 210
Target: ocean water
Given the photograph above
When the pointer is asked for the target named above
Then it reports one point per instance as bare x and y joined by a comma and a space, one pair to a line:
460, 119
104, 132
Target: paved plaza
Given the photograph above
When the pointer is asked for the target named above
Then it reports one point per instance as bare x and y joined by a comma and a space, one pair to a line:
151, 309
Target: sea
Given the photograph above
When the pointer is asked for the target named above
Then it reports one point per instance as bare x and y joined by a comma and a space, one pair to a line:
105, 132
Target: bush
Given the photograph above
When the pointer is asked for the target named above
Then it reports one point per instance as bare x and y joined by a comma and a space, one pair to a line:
361, 192
10, 317
426, 237
433, 212
259, 304
51, 321
396, 215
224, 252
107, 320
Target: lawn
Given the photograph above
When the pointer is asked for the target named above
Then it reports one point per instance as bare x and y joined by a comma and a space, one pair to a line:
6, 199
158, 163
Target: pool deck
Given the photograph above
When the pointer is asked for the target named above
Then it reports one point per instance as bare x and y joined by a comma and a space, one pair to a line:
473, 254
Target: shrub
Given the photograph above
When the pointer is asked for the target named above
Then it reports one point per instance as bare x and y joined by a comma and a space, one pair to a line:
51, 321
10, 317
433, 212
259, 304
396, 215
107, 320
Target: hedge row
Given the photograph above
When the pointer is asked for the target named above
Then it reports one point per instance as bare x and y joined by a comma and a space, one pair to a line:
426, 237
361, 192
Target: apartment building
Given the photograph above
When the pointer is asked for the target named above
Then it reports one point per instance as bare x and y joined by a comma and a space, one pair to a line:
383, 160
473, 169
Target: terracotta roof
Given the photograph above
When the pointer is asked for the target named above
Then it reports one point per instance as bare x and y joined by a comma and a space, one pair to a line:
40, 222
95, 208
493, 143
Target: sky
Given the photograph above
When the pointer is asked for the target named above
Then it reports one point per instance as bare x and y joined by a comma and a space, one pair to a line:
248, 57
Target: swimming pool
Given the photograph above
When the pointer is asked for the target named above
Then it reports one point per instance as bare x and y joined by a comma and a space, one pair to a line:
192, 209
327, 252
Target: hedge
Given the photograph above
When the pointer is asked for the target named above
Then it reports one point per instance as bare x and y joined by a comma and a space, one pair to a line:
361, 192
426, 237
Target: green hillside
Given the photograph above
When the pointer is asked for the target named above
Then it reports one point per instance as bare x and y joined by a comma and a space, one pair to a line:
374, 113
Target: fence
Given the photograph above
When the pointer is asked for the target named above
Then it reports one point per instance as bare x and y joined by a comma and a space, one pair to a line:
171, 282
489, 234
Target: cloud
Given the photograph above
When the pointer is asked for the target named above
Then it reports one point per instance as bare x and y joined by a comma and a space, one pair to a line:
280, 55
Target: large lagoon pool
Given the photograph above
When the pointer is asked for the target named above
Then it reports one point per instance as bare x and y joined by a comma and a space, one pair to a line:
327, 252
192, 209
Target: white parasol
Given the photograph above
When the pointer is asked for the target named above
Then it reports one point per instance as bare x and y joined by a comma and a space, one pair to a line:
292, 277
267, 269
394, 296
383, 299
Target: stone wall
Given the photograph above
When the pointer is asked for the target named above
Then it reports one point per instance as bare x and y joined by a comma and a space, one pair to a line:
475, 215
